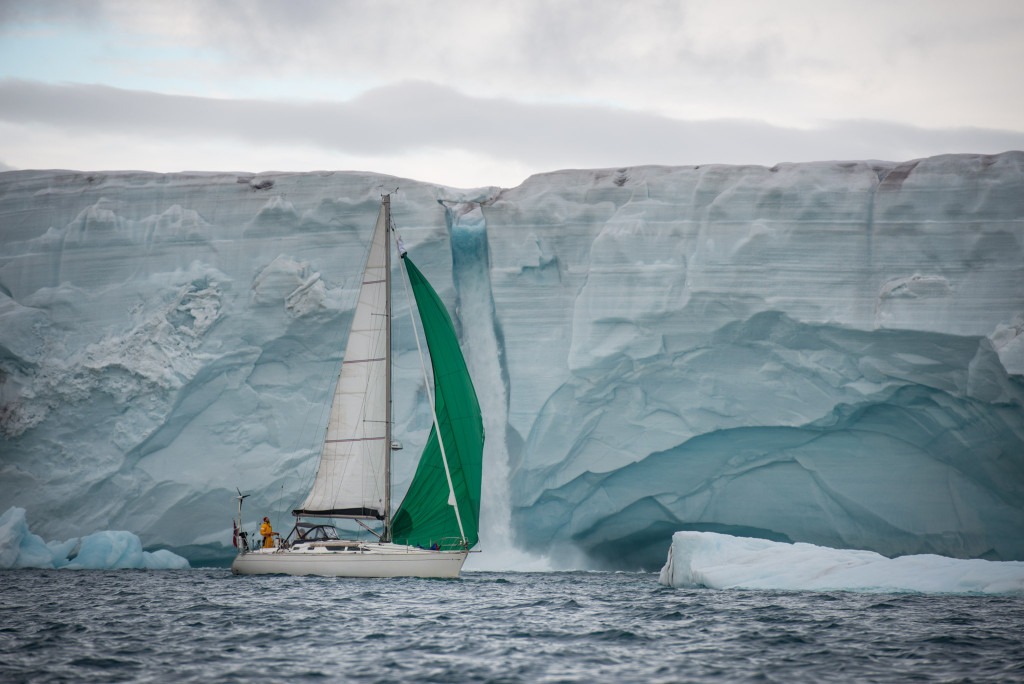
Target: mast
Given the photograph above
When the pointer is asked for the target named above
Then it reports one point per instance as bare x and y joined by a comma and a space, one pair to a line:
386, 201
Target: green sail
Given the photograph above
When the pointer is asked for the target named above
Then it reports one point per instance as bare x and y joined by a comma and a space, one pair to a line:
425, 517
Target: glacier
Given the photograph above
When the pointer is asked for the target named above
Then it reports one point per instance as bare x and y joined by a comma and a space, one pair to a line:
828, 353
719, 561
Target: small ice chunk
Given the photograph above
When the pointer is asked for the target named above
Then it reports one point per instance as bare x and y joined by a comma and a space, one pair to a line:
106, 550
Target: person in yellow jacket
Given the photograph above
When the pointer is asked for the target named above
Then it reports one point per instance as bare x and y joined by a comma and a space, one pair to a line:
268, 533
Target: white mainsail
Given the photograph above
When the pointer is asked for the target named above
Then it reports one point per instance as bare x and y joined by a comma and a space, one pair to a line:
352, 476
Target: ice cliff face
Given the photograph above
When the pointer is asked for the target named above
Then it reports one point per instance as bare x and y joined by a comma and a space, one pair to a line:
829, 353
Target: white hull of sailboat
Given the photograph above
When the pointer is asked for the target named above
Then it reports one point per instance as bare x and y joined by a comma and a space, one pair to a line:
378, 560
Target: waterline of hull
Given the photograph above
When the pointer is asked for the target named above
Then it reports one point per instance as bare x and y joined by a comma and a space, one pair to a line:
373, 562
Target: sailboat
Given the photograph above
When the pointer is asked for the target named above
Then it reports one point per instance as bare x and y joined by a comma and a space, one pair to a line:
432, 530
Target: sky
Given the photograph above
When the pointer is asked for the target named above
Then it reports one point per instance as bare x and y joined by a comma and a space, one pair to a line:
468, 94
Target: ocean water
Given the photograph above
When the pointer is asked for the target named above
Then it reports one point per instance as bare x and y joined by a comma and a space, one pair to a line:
205, 625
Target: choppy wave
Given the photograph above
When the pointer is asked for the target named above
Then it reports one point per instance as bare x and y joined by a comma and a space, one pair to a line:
207, 625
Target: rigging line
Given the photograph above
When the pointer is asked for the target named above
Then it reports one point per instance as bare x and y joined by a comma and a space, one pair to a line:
452, 501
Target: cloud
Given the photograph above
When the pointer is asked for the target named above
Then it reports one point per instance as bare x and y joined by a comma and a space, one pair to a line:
506, 88
416, 117
931, 63
16, 12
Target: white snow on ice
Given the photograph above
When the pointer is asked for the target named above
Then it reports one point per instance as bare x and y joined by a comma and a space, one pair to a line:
720, 561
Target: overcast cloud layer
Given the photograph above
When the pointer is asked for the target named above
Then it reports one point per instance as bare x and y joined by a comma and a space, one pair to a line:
471, 94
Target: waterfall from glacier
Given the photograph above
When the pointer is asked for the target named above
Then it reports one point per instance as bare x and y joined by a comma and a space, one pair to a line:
483, 351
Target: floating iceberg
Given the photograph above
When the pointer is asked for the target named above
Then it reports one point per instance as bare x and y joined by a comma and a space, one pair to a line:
107, 550
720, 561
